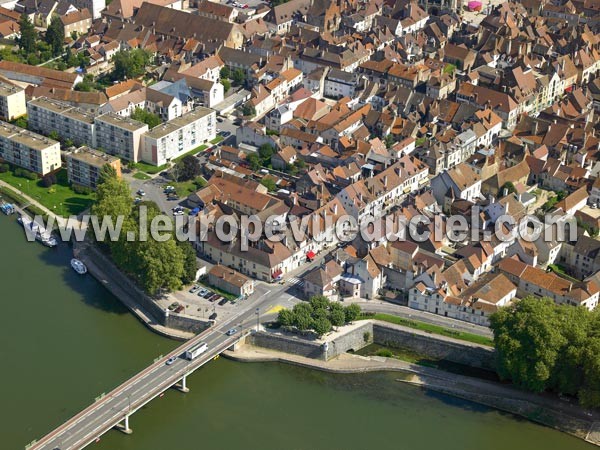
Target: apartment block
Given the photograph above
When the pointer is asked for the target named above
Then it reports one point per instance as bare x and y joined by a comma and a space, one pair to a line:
12, 101
48, 115
85, 164
28, 150
178, 136
120, 136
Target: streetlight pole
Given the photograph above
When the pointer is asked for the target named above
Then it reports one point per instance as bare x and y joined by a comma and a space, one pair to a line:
257, 319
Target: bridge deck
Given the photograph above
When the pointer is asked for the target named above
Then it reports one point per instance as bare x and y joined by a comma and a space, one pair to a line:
111, 409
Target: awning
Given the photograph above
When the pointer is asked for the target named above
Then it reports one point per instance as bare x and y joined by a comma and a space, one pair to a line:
277, 274
474, 6
311, 254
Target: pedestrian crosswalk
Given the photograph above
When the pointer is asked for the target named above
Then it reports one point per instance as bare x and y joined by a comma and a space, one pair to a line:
295, 282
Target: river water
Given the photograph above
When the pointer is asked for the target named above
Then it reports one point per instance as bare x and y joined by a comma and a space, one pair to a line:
64, 340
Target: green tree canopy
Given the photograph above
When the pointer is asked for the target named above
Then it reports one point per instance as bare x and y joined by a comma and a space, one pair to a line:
55, 36
150, 119
187, 169
28, 38
130, 63
352, 312
321, 325
269, 183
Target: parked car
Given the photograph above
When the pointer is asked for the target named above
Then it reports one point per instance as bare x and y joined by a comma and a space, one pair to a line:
231, 332
220, 119
223, 301
207, 294
213, 316
174, 197
213, 297
179, 309
141, 192
195, 288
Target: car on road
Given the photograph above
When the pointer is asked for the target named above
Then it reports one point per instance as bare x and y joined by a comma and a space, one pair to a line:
195, 288
231, 332
141, 192
223, 301
178, 211
220, 119
171, 360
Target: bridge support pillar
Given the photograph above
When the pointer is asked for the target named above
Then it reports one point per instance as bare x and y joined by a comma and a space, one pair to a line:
181, 386
124, 427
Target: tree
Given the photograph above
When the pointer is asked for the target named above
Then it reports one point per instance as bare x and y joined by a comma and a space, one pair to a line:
269, 183
248, 110
528, 340
238, 76
265, 152
190, 263
188, 168
286, 318
162, 265
150, 119
113, 197
49, 180
303, 321
226, 84
129, 63
337, 316
319, 301
510, 188
321, 326
225, 73
54, 135
352, 312
55, 35
254, 161
27, 41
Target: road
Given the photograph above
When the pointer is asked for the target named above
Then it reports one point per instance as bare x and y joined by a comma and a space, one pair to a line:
375, 306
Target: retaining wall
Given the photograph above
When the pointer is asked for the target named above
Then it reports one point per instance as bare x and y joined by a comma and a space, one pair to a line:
390, 335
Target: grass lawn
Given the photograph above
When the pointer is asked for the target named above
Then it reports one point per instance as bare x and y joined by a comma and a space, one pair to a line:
561, 271
218, 139
59, 198
475, 338
149, 168
191, 152
141, 176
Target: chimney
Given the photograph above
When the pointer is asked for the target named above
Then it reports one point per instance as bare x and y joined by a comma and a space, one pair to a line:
385, 183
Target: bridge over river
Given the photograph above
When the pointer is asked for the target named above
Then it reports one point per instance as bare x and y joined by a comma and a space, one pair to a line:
114, 409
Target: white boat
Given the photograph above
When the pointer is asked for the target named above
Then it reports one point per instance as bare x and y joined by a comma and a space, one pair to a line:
39, 232
78, 266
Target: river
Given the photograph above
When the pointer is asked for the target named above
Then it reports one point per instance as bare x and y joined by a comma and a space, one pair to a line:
64, 340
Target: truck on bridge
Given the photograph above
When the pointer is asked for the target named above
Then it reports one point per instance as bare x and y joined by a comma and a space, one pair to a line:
196, 350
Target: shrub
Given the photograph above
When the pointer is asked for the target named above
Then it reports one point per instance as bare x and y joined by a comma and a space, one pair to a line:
49, 180
385, 353
24, 173
78, 189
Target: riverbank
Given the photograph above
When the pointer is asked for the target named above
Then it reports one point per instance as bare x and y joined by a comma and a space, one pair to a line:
543, 410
